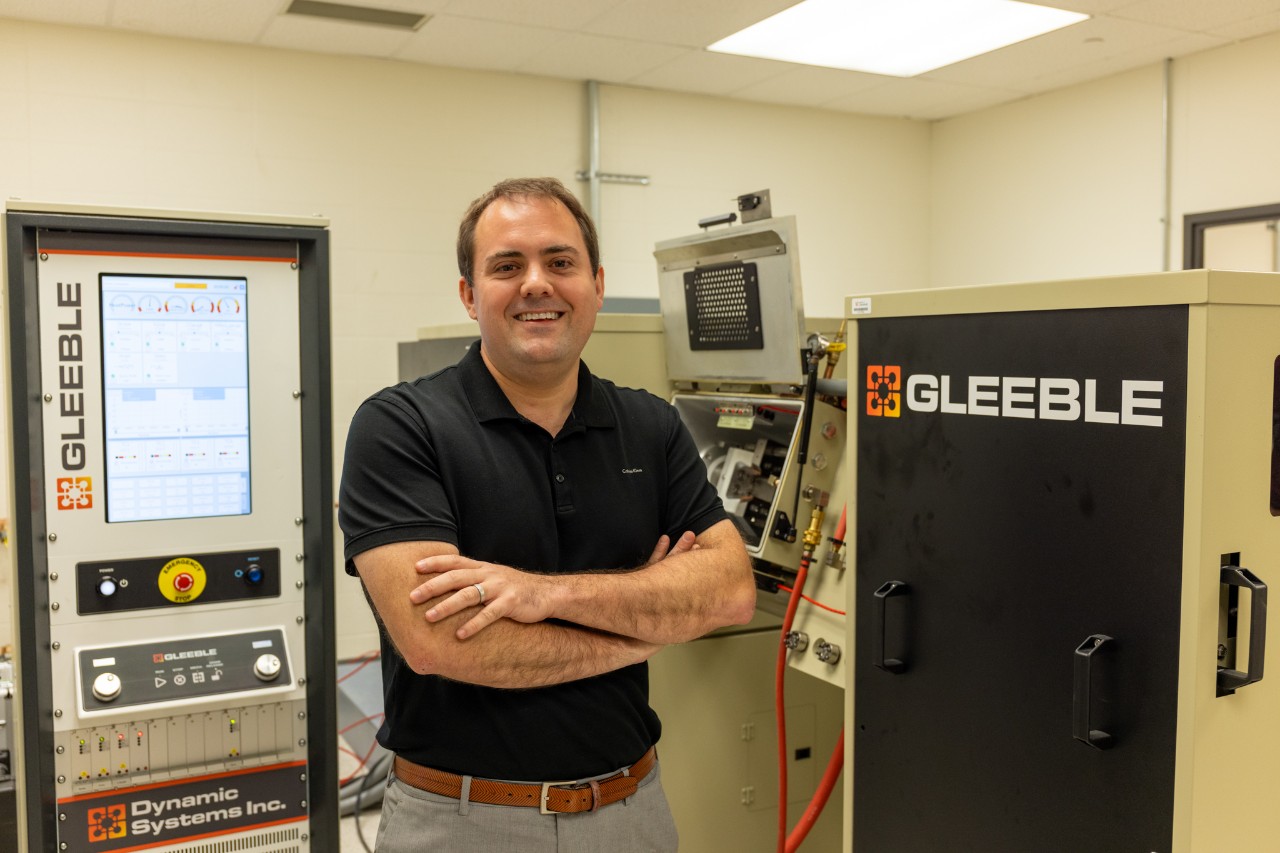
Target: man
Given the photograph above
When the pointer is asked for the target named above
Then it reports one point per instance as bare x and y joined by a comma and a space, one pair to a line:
501, 515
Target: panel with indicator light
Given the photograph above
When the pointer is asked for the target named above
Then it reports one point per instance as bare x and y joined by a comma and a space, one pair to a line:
109, 586
166, 671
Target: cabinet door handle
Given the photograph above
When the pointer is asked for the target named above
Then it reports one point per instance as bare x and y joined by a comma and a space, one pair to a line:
888, 590
1230, 680
1081, 702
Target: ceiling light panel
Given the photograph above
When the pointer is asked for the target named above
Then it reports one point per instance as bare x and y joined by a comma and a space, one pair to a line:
900, 38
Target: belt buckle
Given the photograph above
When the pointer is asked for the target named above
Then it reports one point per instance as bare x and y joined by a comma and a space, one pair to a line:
546, 788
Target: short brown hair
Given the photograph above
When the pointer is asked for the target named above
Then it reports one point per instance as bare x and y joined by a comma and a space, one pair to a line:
523, 188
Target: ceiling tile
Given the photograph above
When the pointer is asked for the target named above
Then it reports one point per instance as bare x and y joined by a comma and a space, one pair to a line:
556, 14
1149, 54
229, 20
693, 23
303, 32
1022, 66
808, 85
711, 73
1195, 15
921, 99
1250, 28
610, 60
88, 13
470, 43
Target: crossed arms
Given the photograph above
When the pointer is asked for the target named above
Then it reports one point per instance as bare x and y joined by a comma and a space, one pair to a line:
425, 596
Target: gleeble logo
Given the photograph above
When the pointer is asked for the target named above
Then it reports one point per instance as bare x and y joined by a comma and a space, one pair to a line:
884, 391
1060, 398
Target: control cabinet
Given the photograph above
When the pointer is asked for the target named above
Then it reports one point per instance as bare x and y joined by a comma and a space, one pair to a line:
1064, 525
173, 557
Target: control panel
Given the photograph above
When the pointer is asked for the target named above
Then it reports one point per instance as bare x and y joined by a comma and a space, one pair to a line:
169, 672
107, 586
174, 430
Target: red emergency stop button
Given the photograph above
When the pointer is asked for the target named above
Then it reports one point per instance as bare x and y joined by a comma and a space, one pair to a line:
182, 580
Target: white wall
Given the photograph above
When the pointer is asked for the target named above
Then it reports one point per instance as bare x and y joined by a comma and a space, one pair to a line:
1070, 184
392, 153
1062, 185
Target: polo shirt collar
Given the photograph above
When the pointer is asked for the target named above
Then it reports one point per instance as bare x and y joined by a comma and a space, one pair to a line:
590, 408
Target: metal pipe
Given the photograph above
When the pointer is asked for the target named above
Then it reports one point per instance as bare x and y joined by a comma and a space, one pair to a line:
593, 151
1166, 155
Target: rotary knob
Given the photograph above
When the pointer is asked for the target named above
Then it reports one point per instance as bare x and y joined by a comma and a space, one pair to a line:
267, 667
106, 687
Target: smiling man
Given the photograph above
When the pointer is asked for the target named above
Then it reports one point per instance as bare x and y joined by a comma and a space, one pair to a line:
502, 515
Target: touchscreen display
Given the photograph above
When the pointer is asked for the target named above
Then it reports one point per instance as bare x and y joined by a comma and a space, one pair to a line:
175, 382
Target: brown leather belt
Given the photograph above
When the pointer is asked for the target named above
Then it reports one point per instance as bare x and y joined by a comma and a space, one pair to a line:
548, 797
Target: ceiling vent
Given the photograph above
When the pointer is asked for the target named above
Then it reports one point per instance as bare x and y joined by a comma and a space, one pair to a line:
357, 14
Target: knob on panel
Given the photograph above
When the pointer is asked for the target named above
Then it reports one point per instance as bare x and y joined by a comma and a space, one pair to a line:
106, 687
267, 667
107, 587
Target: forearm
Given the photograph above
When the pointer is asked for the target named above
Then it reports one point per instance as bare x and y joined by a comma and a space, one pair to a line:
674, 601
517, 655
669, 600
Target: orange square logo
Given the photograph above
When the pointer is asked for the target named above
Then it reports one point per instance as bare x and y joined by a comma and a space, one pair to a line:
107, 823
75, 493
884, 390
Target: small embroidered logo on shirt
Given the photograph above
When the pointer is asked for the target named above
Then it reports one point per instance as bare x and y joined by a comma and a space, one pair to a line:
633, 470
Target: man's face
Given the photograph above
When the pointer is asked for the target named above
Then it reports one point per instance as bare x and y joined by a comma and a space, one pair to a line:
535, 295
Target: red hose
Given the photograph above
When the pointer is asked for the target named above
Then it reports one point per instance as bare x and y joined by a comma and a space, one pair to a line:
802, 573
836, 763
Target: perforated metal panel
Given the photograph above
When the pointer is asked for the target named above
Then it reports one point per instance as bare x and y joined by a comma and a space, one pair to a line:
723, 304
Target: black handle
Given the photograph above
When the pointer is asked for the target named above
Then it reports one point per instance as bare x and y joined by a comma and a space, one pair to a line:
1230, 680
1081, 703
888, 590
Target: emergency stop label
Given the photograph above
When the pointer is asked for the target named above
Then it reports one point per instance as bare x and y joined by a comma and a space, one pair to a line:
182, 580
173, 812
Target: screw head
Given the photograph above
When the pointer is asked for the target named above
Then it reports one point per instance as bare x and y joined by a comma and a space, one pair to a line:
60, 750
57, 712
48, 398
53, 537
53, 576
55, 606
56, 645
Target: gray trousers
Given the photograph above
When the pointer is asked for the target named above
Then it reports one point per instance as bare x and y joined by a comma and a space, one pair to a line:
415, 821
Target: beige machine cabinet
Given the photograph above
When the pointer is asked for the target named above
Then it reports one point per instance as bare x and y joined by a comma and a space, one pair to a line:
1066, 520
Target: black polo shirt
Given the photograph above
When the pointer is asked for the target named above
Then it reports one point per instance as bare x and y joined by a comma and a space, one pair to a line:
448, 458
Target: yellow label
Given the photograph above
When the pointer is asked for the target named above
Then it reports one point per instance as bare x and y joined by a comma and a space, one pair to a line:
181, 580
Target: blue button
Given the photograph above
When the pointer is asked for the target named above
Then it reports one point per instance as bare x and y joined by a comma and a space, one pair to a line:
254, 575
